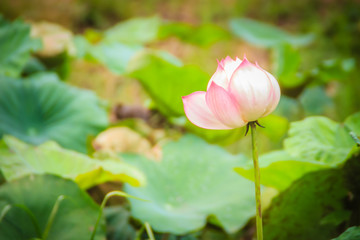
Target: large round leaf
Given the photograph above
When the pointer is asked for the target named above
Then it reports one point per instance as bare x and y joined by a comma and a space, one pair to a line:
353, 123
19, 159
134, 31
193, 181
266, 35
279, 169
313, 208
35, 196
318, 139
42, 108
352, 233
15, 46
203, 35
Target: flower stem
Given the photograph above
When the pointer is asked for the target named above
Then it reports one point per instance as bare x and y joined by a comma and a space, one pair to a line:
149, 231
52, 216
259, 230
102, 206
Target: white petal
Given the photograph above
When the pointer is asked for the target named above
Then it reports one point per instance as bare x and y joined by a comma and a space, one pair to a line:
275, 95
253, 90
229, 65
219, 77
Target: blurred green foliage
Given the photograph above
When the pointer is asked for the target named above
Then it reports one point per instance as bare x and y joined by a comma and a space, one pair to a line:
321, 211
15, 51
186, 188
351, 233
31, 201
44, 108
317, 206
308, 145
20, 159
265, 35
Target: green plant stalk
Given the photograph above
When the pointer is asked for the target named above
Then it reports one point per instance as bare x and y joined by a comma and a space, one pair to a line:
52, 216
259, 231
4, 212
138, 234
149, 231
32, 217
102, 206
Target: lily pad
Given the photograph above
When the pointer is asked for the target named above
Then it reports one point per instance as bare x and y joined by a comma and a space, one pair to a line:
353, 123
193, 181
134, 31
20, 159
352, 233
203, 35
265, 35
311, 209
31, 200
289, 108
15, 46
176, 81
115, 56
279, 169
43, 108
287, 62
315, 101
318, 139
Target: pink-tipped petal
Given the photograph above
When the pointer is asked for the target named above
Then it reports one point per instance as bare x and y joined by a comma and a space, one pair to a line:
253, 89
219, 77
198, 112
245, 63
224, 106
230, 66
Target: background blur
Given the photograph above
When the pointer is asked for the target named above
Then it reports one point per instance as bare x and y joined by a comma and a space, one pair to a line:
139, 58
326, 52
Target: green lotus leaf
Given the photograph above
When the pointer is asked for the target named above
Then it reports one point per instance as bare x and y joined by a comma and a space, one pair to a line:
43, 108
192, 182
134, 31
289, 108
29, 201
287, 63
312, 208
353, 123
15, 46
279, 169
115, 56
265, 35
315, 101
318, 139
19, 159
203, 35
352, 233
152, 70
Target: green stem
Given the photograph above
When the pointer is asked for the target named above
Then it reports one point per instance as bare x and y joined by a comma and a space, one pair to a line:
139, 233
259, 230
32, 217
4, 212
52, 216
149, 231
102, 206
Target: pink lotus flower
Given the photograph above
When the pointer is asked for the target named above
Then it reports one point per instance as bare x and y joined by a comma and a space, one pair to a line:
239, 92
